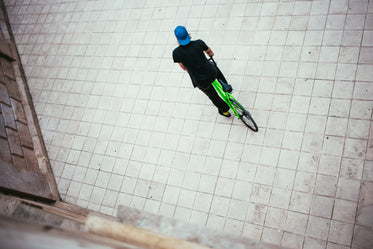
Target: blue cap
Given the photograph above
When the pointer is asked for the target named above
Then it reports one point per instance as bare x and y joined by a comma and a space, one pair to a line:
182, 35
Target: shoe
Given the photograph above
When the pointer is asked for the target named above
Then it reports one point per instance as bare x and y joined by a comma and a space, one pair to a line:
225, 114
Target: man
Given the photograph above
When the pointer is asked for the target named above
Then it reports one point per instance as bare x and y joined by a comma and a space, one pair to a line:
191, 58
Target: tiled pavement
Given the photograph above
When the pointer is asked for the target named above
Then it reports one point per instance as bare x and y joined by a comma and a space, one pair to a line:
123, 125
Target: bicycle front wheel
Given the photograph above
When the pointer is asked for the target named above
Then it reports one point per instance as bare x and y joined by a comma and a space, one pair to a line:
244, 115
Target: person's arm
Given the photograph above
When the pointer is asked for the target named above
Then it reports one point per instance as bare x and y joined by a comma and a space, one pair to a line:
182, 66
209, 52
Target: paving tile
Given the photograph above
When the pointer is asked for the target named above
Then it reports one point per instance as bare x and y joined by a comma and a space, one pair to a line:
277, 120
349, 55
159, 146
271, 235
319, 8
237, 210
280, 198
265, 175
337, 7
336, 126
85, 191
351, 169
292, 140
326, 185
344, 211
304, 181
365, 205
296, 122
340, 232
275, 218
322, 206
224, 187
97, 195
138, 202
318, 227
252, 231
260, 194
233, 226
362, 91
313, 243
354, 21
220, 206
362, 237
151, 206
368, 170
207, 184
355, 148
215, 222
74, 189
296, 222
315, 124
246, 172
367, 38
335, 22
333, 145
348, 189
359, 7
198, 218
312, 142
269, 156
329, 165
256, 213
79, 174
292, 240
360, 109
156, 191
335, 245
300, 202
284, 178
288, 159
358, 128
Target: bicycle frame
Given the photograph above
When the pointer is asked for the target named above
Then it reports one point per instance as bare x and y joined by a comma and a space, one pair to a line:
225, 96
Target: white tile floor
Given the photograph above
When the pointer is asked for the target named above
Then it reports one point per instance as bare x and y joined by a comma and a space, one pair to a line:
123, 125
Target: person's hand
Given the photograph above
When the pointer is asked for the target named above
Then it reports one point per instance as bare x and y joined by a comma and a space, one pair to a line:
209, 52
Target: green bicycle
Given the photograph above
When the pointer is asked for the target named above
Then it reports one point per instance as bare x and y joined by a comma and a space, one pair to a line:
223, 89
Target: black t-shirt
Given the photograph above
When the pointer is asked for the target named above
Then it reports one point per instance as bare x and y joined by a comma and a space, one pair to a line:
192, 56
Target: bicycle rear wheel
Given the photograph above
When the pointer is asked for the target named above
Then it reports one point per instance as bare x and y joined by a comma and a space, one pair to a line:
244, 115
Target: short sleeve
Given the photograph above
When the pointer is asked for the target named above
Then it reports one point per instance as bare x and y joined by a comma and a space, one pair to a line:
202, 45
175, 56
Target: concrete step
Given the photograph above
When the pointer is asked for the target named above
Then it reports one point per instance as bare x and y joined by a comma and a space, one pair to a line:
39, 213
187, 232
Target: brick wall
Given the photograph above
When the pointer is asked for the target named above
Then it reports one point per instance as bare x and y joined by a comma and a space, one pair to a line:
24, 165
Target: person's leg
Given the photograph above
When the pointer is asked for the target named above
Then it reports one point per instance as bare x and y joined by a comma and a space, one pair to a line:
219, 74
223, 81
215, 98
192, 79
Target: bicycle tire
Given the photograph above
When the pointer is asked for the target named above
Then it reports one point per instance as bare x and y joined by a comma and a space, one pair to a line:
245, 115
